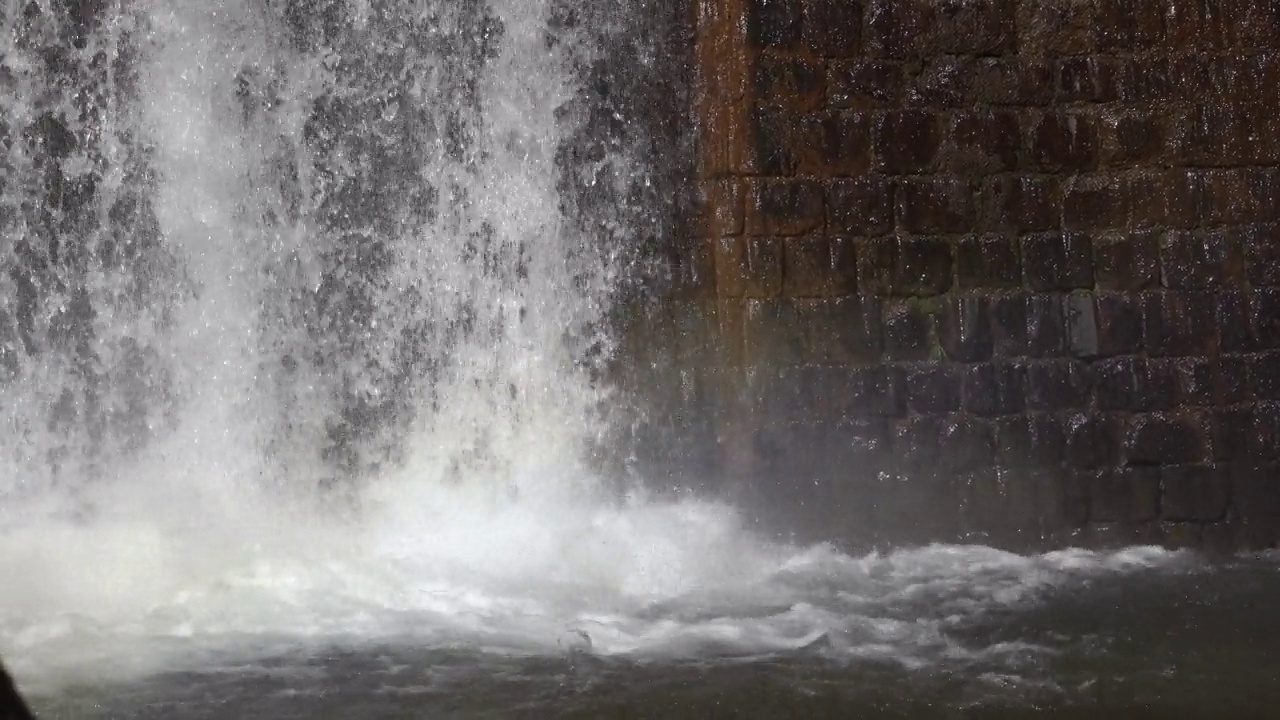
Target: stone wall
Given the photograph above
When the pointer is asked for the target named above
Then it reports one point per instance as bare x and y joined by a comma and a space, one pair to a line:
1002, 271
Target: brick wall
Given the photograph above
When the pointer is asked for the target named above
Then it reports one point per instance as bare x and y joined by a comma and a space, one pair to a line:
995, 270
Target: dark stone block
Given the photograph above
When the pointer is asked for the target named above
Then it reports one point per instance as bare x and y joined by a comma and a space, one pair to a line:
942, 82
1055, 27
774, 23
806, 266
773, 334
966, 328
875, 392
1265, 315
1136, 385
864, 84
1012, 81
1231, 382
992, 389
965, 444
832, 28
1164, 440
1093, 440
1126, 262
784, 207
1082, 325
1234, 320
979, 27
936, 205
906, 266
908, 331
1028, 324
1095, 203
899, 28
749, 267
861, 206
1119, 324
1058, 385
789, 83
1256, 499
1129, 24
1175, 323
1125, 495
840, 145
933, 390
1058, 261
988, 141
777, 141
916, 443
842, 330
1262, 254
1021, 203
1198, 261
908, 141
1197, 379
1093, 79
1196, 493
990, 261
1264, 375
1064, 142
1133, 138
720, 208
1030, 441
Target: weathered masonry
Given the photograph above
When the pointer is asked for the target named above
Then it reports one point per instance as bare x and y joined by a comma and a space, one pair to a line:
1004, 271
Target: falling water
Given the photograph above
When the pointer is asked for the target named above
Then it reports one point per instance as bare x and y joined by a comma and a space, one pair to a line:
299, 345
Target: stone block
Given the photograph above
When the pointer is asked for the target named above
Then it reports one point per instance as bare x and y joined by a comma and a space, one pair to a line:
693, 270
1119, 324
1135, 385
1025, 324
1231, 380
720, 205
784, 207
1021, 203
1265, 316
777, 140
1125, 495
1126, 25
965, 444
844, 330
864, 84
985, 141
1135, 138
906, 266
933, 390
1244, 433
1234, 319
915, 443
773, 334
1082, 325
899, 28
1126, 261
965, 330
1198, 261
875, 392
1153, 80
860, 206
1012, 81
1256, 498
1262, 254
989, 261
993, 389
789, 82
1058, 385
1264, 375
1064, 141
839, 145
907, 141
832, 28
1158, 439
908, 331
774, 24
1093, 441
1093, 79
975, 27
1173, 202
1030, 441
1174, 323
749, 267
1197, 380
936, 205
806, 266
1095, 202
1198, 493
942, 82
1056, 27
1058, 261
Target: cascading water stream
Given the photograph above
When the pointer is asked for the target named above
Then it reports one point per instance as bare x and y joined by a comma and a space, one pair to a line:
293, 350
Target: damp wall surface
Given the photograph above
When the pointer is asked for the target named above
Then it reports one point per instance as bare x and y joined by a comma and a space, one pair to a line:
999, 271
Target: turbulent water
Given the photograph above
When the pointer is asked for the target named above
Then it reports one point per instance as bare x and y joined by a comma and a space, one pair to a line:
300, 352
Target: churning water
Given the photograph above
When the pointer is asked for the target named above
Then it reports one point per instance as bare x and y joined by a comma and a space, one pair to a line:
300, 353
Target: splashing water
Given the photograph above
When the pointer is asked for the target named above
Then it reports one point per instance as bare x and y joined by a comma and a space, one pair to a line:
293, 348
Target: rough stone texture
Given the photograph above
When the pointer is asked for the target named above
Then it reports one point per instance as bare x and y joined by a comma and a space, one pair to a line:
995, 270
